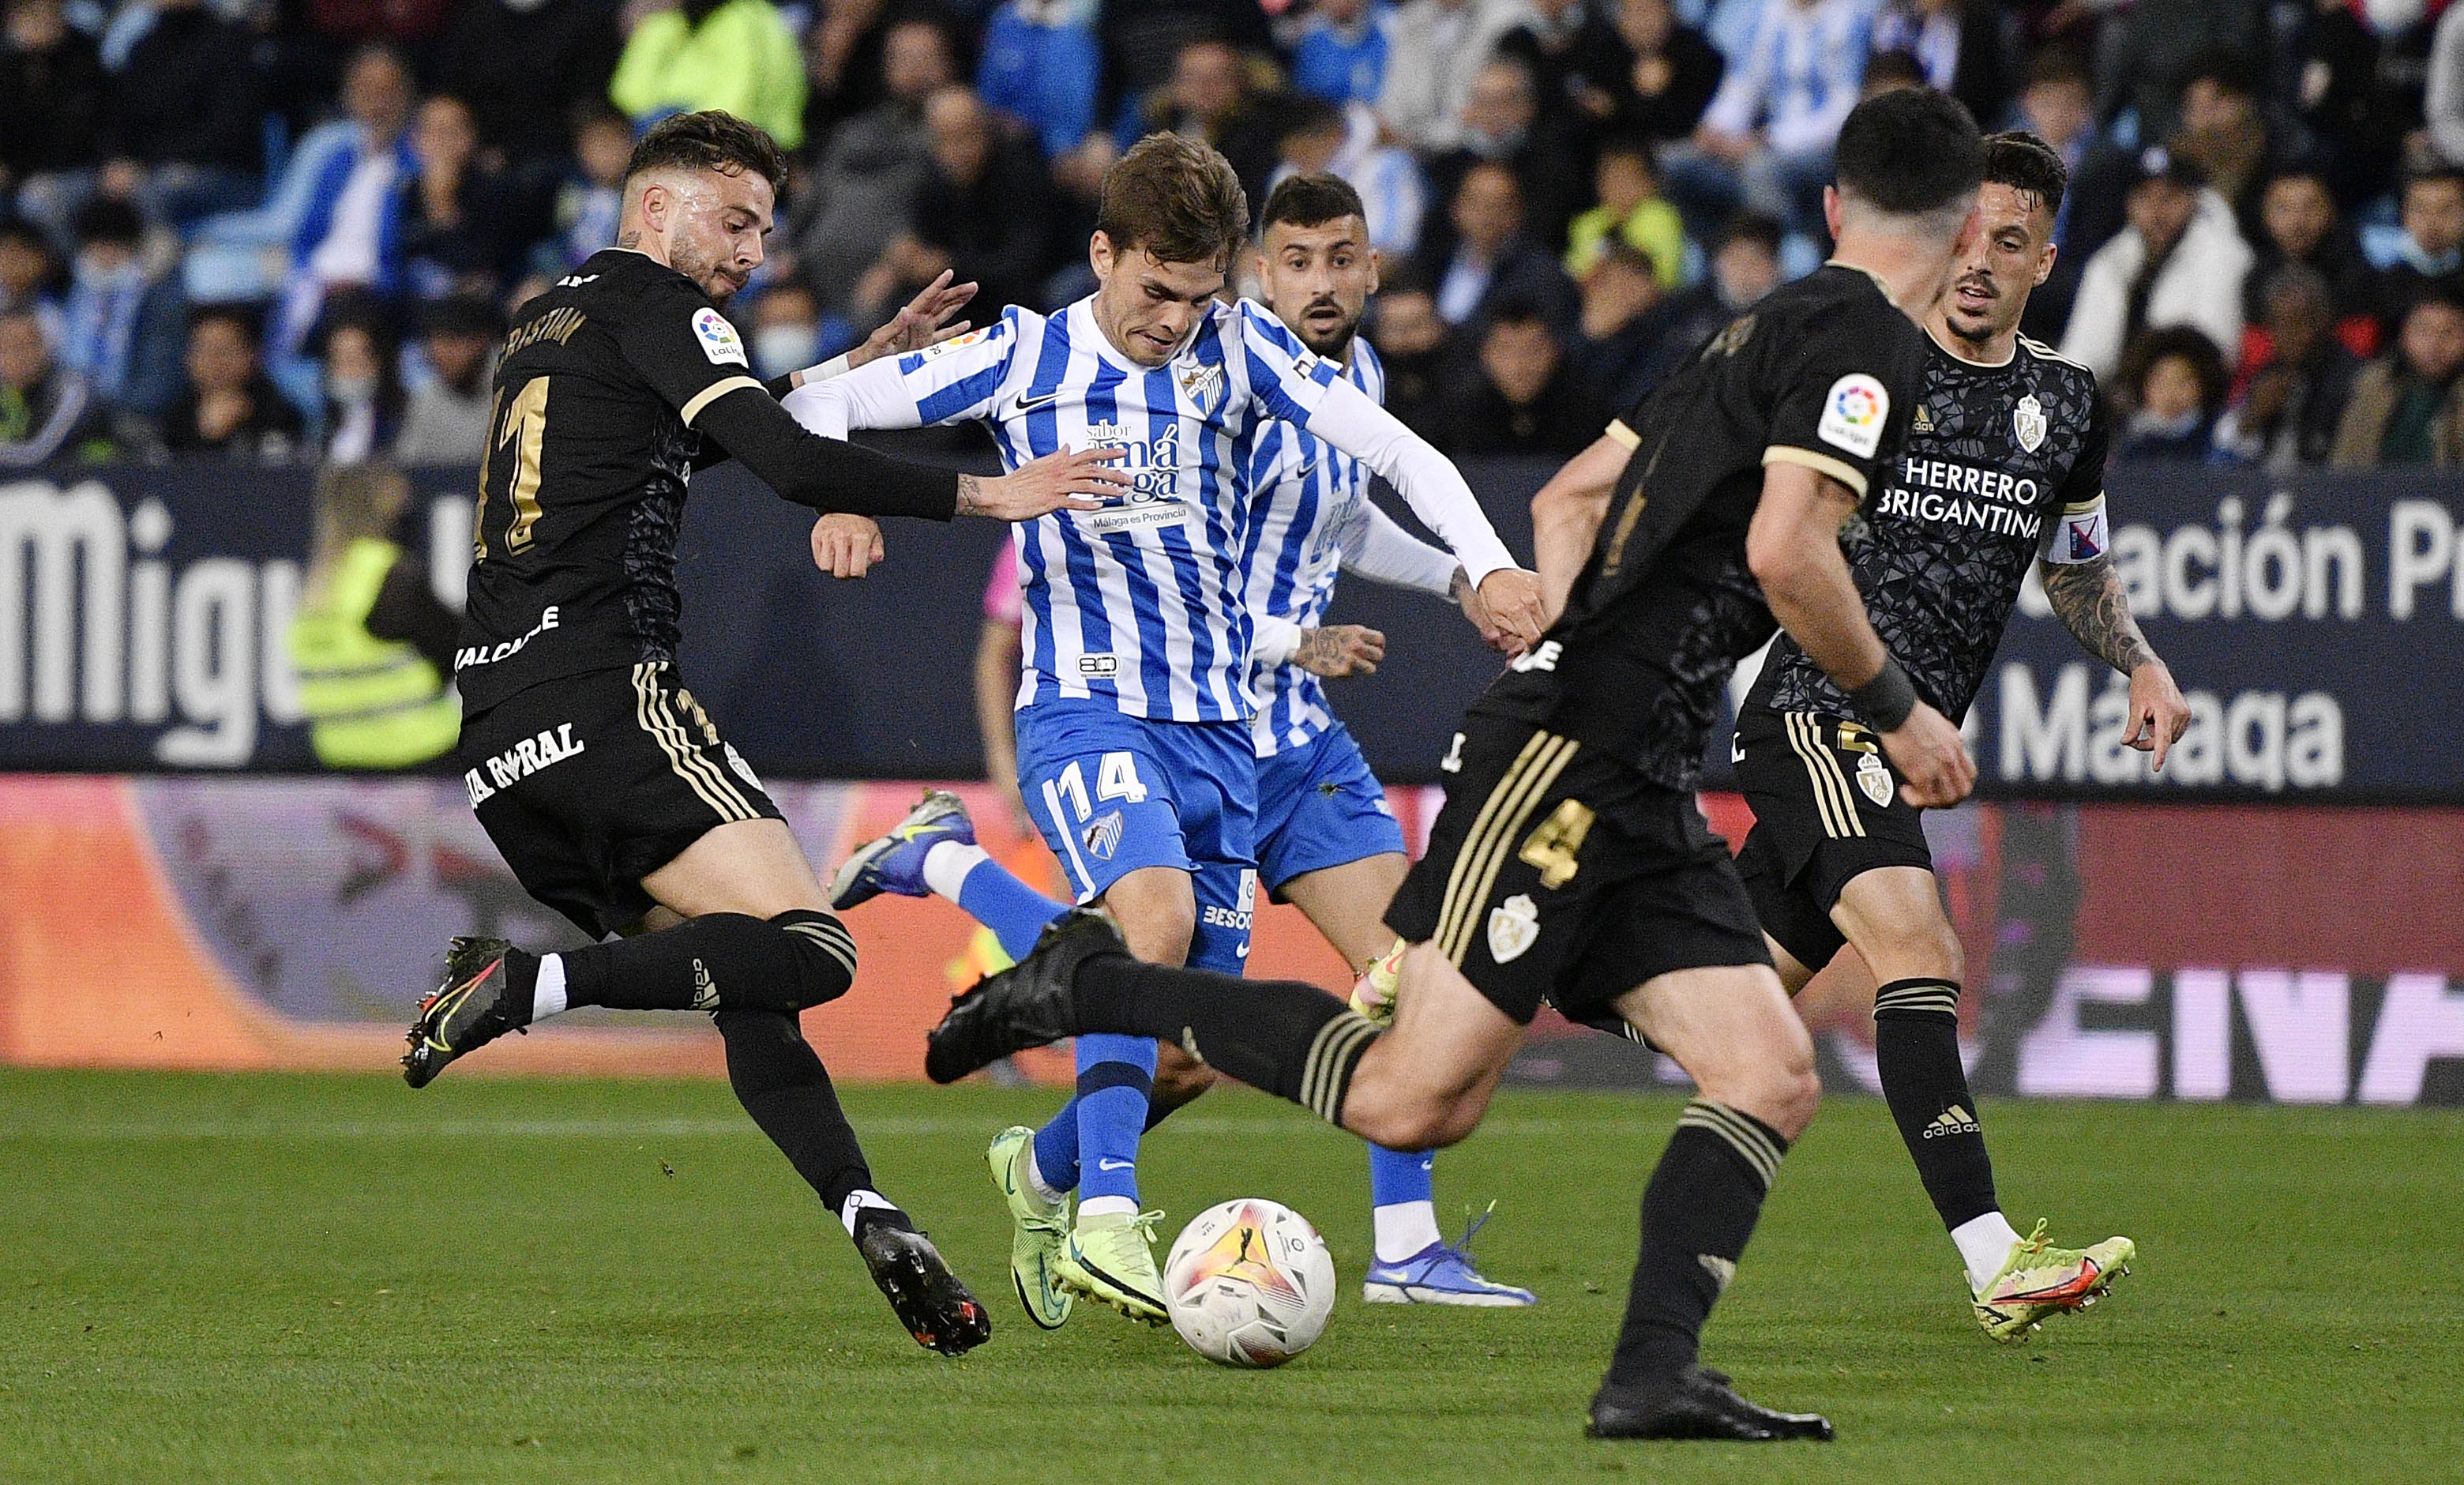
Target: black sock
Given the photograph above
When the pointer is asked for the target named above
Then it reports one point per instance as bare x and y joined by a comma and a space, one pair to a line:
782, 1084
1290, 1039
1915, 1050
788, 963
1696, 1213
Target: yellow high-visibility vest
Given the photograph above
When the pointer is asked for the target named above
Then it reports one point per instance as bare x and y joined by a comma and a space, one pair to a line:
370, 703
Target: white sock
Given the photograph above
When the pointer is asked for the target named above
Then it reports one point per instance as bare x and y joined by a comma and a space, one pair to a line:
547, 991
1404, 1229
1984, 1244
857, 1201
1035, 1181
1107, 1207
947, 863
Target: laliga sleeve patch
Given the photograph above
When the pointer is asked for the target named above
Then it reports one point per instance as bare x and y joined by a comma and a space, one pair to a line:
718, 339
1852, 413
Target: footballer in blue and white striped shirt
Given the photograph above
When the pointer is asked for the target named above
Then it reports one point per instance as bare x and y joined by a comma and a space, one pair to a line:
1134, 746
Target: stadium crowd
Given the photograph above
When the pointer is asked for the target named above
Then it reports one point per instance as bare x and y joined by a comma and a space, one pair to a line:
278, 230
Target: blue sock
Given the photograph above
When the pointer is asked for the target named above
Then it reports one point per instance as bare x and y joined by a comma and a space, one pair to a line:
1056, 1149
1115, 1078
1015, 912
1399, 1176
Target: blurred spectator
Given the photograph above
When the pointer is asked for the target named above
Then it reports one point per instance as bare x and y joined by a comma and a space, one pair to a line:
1041, 66
1502, 124
872, 166
1668, 73
1436, 47
445, 413
459, 211
2287, 416
351, 233
985, 209
1526, 400
2161, 42
2057, 105
2429, 256
126, 319
1566, 45
1887, 72
2442, 106
524, 66
230, 406
372, 646
1341, 55
2408, 407
1318, 136
1143, 39
2174, 381
1624, 316
1965, 47
29, 277
46, 412
2179, 262
787, 329
1214, 95
1766, 139
2298, 227
593, 198
997, 645
2225, 133
1745, 267
184, 127
1493, 261
1414, 344
2353, 95
1630, 212
736, 54
50, 107
364, 400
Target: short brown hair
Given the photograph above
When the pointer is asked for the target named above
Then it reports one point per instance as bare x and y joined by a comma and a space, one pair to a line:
712, 139
1177, 198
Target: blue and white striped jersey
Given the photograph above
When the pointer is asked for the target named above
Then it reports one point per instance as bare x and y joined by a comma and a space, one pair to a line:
1308, 493
1142, 604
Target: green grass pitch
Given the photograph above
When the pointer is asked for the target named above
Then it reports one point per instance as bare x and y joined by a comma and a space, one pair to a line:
295, 1279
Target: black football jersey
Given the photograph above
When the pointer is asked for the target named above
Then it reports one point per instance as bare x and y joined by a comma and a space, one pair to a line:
1821, 372
2003, 463
582, 480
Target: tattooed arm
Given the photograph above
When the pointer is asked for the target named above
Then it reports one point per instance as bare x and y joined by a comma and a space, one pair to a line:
2088, 598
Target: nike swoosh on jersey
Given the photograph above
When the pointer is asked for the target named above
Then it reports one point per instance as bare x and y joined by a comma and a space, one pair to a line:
1030, 404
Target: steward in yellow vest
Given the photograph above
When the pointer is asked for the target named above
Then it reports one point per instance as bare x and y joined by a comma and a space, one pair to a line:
373, 698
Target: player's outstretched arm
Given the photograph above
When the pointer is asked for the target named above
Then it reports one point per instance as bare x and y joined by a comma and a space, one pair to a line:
922, 321
1350, 419
1379, 550
2088, 598
1566, 516
1792, 548
1329, 650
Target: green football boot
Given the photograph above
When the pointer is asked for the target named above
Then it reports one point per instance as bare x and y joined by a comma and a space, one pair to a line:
1111, 1260
2039, 1280
1039, 1229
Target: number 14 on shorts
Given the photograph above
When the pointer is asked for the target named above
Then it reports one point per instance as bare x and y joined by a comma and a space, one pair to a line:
1117, 777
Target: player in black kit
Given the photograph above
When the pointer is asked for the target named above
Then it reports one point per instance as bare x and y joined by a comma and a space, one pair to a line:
2005, 469
593, 770
1570, 863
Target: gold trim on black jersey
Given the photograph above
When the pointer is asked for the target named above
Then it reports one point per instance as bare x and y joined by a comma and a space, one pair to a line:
1625, 437
712, 394
1501, 817
1820, 463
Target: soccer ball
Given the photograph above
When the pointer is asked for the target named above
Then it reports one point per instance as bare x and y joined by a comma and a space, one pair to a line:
1249, 1283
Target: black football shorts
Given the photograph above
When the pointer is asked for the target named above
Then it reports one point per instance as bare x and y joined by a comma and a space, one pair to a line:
1827, 808
1557, 874
590, 783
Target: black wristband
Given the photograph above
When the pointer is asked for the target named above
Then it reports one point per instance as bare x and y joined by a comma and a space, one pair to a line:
1887, 698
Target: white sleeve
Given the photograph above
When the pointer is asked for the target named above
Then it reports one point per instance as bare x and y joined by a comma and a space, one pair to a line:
954, 381
873, 395
1349, 419
1273, 641
1378, 549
